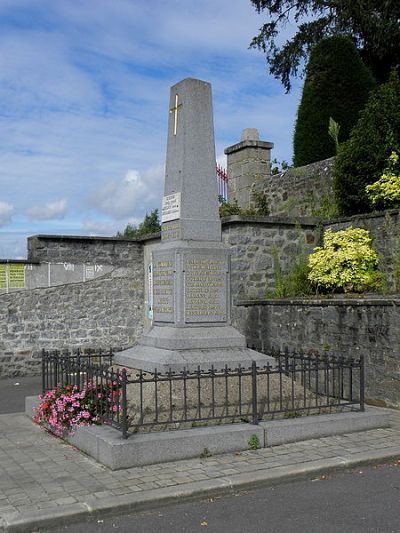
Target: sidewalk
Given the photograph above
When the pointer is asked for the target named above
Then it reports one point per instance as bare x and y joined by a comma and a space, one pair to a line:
43, 479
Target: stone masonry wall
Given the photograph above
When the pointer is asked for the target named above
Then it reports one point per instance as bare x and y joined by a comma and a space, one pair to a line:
105, 250
300, 191
101, 313
347, 327
252, 240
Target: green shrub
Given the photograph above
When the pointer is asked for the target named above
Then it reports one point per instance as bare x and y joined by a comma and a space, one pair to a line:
336, 87
385, 192
345, 263
362, 159
227, 209
261, 208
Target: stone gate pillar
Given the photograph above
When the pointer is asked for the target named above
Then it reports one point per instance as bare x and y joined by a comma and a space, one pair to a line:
248, 162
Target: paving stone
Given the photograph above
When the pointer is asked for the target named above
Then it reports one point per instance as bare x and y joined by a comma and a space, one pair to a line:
38, 471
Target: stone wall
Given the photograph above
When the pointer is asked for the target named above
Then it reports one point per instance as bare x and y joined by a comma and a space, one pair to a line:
101, 313
252, 241
301, 191
75, 249
343, 327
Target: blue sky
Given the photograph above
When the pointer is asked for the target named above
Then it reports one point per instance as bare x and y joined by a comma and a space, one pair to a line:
84, 89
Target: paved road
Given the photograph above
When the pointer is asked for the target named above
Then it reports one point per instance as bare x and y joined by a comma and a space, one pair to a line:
365, 500
44, 480
13, 392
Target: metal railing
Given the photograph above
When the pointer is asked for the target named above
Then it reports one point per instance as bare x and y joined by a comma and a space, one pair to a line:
222, 182
296, 384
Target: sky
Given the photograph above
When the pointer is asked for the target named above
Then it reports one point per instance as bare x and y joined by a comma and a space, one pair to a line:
84, 93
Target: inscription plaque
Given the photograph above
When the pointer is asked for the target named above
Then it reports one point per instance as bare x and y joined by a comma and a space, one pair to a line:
16, 276
12, 276
163, 287
171, 231
171, 207
3, 279
205, 288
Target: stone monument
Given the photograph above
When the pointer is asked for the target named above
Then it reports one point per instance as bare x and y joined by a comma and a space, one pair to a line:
191, 267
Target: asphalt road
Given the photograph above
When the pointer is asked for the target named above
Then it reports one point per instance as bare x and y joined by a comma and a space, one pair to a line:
13, 392
363, 501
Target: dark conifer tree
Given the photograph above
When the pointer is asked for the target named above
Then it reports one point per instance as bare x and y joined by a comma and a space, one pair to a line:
337, 85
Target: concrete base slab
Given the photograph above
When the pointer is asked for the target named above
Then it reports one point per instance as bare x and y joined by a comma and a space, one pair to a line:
106, 445
313, 427
148, 358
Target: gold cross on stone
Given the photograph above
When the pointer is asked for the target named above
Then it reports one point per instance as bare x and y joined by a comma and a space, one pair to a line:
175, 111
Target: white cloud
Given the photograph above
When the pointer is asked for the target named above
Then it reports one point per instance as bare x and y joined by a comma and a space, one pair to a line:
84, 97
135, 192
51, 210
98, 227
6, 213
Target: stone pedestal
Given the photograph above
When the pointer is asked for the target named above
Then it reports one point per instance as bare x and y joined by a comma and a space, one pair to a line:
248, 162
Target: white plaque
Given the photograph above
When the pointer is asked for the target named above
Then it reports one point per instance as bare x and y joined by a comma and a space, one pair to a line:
171, 207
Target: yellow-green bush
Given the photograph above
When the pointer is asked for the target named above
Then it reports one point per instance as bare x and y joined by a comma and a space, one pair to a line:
346, 262
385, 192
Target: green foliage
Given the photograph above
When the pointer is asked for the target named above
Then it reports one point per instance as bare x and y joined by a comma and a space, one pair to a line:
150, 224
327, 208
261, 208
205, 453
333, 132
226, 209
373, 25
254, 442
362, 159
392, 240
385, 192
279, 166
292, 282
345, 263
336, 88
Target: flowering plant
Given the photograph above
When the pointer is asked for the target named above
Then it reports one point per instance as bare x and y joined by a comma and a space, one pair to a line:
66, 406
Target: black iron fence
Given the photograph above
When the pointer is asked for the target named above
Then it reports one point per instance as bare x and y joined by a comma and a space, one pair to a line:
295, 384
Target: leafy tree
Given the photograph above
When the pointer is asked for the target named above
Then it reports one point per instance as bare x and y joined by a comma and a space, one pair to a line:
373, 25
362, 159
336, 87
150, 224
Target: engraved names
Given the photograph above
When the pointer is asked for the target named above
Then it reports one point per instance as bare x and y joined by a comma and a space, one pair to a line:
12, 276
205, 288
171, 231
163, 287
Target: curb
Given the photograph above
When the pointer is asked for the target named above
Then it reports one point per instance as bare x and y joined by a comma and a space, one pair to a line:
94, 508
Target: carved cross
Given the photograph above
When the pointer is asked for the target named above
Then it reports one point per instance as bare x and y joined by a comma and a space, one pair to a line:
175, 111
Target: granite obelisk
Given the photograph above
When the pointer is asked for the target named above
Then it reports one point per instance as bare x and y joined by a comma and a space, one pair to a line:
191, 266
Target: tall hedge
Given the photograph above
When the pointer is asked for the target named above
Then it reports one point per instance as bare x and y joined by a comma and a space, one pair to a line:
362, 159
337, 85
